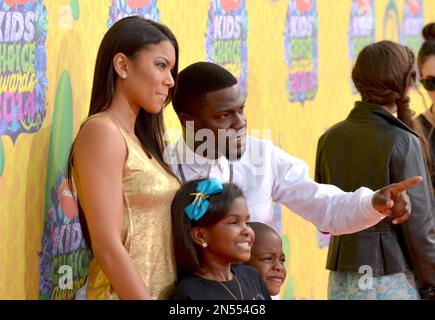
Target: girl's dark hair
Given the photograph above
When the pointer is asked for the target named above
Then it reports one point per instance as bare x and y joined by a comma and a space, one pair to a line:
129, 36
428, 48
383, 73
187, 255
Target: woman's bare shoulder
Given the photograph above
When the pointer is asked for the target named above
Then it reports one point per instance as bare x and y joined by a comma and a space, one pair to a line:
100, 134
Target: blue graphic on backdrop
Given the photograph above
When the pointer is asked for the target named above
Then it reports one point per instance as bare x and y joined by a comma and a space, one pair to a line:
301, 50
391, 22
226, 38
23, 80
124, 8
361, 29
412, 24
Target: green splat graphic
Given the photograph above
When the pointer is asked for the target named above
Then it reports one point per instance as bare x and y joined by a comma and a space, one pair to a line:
289, 289
61, 133
2, 157
75, 9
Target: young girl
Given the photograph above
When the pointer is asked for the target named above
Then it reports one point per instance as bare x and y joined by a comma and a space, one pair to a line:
211, 231
268, 257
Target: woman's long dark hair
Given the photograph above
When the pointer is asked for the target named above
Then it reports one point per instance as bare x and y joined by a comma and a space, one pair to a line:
187, 255
128, 36
383, 74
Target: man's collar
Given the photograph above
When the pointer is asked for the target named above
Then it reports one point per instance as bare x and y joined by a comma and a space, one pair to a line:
186, 156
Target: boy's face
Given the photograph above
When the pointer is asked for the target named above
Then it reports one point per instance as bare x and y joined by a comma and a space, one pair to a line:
267, 256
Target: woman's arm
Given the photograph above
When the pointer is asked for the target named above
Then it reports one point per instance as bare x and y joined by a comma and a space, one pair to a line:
99, 156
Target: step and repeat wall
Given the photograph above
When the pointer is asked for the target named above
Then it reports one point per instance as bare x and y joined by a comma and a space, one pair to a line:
293, 59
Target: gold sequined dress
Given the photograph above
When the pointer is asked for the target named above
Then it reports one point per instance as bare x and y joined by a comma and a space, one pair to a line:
148, 191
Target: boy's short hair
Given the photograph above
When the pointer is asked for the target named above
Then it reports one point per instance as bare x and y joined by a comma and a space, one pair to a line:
261, 229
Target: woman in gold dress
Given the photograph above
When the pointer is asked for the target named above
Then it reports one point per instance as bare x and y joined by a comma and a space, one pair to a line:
124, 187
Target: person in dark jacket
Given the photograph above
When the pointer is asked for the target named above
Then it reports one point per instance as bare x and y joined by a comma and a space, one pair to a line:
373, 147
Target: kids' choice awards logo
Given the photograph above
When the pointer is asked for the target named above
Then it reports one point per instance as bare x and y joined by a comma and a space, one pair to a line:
64, 247
23, 61
226, 38
391, 22
301, 51
124, 8
412, 24
361, 28
64, 258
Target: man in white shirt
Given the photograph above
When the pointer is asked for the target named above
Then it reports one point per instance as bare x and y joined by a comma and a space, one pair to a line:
208, 103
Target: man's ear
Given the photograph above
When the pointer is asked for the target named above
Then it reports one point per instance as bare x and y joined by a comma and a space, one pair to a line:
199, 236
184, 117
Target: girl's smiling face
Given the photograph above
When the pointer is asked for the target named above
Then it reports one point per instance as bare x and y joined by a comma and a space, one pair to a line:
231, 238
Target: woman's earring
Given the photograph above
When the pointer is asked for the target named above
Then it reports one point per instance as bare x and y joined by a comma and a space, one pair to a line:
204, 245
124, 76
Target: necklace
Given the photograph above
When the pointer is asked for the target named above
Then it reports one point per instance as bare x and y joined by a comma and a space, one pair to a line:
229, 291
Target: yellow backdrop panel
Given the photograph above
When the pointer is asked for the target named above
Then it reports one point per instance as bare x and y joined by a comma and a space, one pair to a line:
75, 29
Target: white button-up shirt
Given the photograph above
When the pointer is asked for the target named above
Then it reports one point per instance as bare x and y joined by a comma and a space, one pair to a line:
267, 174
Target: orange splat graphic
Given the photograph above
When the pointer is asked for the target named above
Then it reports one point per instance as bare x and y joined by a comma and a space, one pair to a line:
12, 3
304, 5
414, 7
135, 4
363, 3
230, 5
67, 201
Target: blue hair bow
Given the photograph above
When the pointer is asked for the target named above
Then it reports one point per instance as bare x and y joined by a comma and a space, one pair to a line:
200, 204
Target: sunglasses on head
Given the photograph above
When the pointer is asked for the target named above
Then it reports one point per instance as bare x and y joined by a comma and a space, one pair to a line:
428, 83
